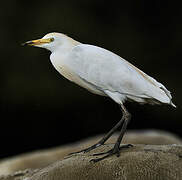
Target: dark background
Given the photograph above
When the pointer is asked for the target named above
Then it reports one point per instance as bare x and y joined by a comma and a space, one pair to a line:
40, 109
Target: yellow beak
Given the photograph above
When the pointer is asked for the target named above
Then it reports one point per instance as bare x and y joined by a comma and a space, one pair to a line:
37, 42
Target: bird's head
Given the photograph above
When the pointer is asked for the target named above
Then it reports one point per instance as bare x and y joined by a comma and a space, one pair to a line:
51, 41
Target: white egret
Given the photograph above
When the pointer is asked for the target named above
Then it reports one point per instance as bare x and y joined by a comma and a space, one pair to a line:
104, 73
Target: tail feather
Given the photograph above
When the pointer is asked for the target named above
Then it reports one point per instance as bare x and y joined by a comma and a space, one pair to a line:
163, 95
168, 93
160, 93
172, 104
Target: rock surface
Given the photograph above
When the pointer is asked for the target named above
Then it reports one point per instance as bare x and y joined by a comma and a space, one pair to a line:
139, 162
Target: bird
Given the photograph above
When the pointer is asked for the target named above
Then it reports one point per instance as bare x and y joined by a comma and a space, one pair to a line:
104, 73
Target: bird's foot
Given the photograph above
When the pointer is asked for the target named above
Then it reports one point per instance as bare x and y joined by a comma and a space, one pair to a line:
115, 150
87, 149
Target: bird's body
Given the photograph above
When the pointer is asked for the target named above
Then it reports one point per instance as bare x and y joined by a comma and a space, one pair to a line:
105, 73
102, 72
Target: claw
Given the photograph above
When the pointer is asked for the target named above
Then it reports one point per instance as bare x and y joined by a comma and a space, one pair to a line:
83, 150
129, 145
114, 150
98, 154
87, 149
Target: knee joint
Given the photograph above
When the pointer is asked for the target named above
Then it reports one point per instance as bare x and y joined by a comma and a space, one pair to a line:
128, 116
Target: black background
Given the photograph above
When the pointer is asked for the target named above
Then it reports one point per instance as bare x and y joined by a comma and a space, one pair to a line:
40, 109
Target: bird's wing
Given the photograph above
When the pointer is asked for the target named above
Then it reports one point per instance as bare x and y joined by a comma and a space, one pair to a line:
109, 72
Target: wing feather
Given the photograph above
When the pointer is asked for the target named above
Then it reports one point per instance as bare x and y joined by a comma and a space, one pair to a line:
108, 72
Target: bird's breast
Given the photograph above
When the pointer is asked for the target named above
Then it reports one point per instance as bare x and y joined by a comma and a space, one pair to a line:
69, 74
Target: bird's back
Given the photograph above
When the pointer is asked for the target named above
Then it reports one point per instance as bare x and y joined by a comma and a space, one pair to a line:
114, 76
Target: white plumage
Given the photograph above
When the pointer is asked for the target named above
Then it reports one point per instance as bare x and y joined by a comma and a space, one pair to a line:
105, 73
102, 72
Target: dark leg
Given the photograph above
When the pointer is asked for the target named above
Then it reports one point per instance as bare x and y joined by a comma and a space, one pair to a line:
104, 139
116, 149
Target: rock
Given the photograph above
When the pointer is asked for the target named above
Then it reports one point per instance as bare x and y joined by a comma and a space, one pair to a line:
18, 175
42, 158
141, 162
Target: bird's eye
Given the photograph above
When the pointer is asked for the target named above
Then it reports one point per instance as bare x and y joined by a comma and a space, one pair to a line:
51, 39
